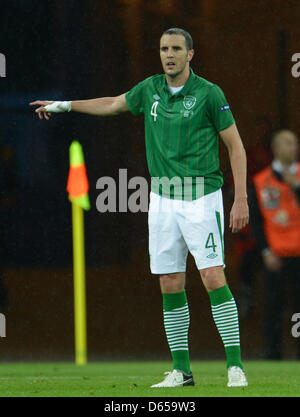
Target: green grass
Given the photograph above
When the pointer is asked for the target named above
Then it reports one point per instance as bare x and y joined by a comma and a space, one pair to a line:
132, 379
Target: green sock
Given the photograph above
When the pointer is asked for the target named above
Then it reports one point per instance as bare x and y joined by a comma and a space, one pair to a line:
225, 315
176, 322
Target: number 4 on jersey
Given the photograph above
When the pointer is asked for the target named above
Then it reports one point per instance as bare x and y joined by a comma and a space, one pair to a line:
153, 110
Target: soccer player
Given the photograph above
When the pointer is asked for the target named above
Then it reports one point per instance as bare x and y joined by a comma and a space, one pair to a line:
184, 116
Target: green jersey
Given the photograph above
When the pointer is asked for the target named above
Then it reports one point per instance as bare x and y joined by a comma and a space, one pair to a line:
182, 141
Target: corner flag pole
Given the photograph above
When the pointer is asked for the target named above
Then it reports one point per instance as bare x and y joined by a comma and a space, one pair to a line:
79, 285
77, 188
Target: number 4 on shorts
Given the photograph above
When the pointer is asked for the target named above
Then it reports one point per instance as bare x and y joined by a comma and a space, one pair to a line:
210, 243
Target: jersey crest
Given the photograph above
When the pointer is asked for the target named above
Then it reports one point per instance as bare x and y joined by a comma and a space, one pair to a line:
189, 102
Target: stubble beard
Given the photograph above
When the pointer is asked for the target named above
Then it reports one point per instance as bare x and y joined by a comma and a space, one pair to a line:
175, 75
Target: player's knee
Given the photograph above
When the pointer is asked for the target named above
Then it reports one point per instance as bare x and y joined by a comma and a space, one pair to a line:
172, 283
213, 278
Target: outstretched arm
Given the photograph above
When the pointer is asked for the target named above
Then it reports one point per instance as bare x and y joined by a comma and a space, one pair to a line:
239, 215
105, 106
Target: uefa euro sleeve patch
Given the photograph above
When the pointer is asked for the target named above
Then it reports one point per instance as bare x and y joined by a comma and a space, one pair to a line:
224, 108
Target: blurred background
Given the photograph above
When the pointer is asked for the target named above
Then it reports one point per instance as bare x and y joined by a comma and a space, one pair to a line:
85, 49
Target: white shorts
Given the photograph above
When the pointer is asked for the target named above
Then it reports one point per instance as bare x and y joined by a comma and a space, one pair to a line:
178, 226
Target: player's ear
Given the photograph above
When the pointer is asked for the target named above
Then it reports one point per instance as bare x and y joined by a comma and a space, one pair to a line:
191, 53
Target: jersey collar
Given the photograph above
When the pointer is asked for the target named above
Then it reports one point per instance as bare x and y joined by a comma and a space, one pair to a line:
187, 86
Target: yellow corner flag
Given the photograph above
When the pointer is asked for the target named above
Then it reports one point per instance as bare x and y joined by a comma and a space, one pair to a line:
77, 188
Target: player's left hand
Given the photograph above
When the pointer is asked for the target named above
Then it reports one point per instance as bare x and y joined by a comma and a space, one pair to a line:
239, 215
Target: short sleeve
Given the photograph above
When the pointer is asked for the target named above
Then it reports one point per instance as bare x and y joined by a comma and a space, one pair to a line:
135, 98
219, 109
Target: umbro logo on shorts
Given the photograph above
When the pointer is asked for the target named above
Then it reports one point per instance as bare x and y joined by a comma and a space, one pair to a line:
212, 255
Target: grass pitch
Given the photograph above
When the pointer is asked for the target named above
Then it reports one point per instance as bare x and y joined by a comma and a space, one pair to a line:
133, 379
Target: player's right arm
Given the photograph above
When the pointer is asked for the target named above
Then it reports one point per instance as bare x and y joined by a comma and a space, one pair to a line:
105, 106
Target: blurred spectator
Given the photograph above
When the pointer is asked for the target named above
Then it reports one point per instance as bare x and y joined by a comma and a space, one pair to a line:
245, 248
275, 223
7, 199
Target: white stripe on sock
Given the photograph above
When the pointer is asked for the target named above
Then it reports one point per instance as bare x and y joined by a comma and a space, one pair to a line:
176, 324
226, 319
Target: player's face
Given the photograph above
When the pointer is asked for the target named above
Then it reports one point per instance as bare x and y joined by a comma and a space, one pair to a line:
174, 54
286, 148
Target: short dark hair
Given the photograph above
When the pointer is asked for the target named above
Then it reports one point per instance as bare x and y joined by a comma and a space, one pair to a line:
182, 32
